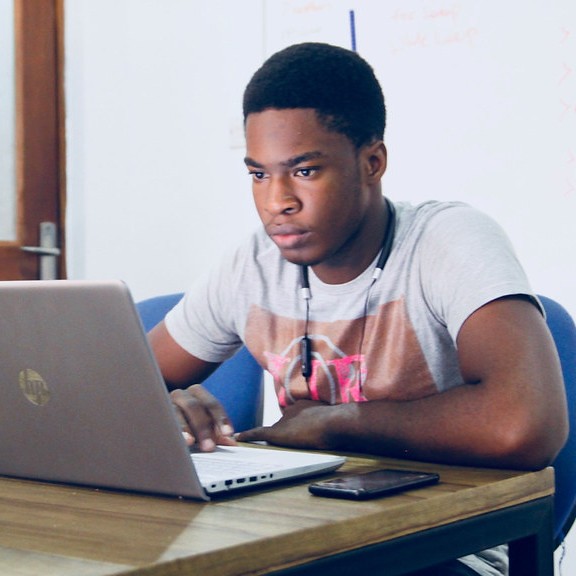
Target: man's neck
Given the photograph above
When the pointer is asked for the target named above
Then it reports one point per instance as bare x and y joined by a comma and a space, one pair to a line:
361, 252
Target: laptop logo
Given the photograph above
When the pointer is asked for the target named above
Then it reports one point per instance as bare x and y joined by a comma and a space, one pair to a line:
34, 387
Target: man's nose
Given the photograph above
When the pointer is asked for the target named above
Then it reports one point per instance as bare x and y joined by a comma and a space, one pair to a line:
281, 197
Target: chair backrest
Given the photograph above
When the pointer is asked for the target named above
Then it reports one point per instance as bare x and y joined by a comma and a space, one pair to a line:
563, 331
238, 383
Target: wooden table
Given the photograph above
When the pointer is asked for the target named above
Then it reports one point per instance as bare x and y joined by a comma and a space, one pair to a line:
60, 530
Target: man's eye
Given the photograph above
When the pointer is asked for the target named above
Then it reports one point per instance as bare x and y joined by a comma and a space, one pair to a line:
256, 175
306, 172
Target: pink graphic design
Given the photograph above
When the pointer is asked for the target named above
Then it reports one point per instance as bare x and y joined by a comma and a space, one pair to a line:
389, 364
350, 379
349, 372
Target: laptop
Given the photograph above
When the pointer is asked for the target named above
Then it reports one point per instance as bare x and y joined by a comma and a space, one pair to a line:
82, 401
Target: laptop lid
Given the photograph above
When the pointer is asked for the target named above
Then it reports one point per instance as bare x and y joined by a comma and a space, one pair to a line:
82, 400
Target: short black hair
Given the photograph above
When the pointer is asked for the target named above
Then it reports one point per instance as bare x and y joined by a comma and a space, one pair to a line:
337, 83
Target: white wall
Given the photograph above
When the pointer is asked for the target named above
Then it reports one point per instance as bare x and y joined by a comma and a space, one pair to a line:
481, 100
156, 184
7, 127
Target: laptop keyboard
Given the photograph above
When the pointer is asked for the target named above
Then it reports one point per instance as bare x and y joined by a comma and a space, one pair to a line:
210, 467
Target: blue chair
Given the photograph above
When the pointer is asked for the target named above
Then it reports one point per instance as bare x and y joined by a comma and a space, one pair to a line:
238, 383
563, 331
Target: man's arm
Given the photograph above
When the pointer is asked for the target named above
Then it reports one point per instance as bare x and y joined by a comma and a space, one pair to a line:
178, 367
203, 419
510, 413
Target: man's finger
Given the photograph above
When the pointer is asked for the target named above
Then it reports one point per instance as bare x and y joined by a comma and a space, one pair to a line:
202, 418
259, 433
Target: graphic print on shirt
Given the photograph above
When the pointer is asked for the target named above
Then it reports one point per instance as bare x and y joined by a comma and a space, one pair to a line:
387, 362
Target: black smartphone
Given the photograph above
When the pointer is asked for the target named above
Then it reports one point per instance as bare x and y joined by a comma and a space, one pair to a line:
372, 484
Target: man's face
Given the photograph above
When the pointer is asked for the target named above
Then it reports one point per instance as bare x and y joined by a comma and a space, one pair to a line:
309, 187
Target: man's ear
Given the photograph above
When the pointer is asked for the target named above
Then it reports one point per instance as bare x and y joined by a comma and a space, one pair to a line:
375, 160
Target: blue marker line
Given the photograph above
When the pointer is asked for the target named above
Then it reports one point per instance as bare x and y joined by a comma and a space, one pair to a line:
353, 30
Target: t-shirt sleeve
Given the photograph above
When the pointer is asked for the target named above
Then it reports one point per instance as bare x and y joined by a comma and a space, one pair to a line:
467, 260
203, 322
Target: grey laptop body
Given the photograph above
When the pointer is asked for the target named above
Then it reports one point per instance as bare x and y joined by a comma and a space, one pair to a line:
82, 400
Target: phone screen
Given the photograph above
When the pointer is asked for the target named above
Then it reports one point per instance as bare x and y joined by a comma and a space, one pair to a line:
373, 484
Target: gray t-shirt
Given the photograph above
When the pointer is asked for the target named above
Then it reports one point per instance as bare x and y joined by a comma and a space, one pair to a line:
394, 338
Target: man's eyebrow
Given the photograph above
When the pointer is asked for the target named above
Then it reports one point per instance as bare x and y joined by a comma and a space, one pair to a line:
249, 162
291, 162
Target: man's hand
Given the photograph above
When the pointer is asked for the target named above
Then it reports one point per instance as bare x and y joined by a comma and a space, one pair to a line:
203, 419
304, 424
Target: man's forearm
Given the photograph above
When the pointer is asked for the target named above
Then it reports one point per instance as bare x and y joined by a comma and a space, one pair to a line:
459, 426
465, 425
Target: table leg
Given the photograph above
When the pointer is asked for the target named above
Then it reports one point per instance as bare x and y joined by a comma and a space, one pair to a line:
533, 555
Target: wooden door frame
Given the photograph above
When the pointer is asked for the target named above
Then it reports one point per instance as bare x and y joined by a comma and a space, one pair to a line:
40, 141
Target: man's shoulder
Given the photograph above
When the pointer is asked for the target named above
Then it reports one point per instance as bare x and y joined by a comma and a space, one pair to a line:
431, 208
440, 218
256, 250
259, 245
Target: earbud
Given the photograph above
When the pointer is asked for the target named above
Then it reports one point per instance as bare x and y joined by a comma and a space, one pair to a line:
305, 342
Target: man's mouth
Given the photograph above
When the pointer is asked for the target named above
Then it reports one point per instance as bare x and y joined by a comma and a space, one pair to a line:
288, 237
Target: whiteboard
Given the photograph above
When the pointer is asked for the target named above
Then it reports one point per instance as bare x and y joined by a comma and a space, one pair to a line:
481, 103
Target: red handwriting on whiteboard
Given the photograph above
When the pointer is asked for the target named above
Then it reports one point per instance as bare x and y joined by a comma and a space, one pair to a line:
565, 35
566, 73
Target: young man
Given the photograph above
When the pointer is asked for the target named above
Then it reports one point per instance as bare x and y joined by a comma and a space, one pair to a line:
388, 328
